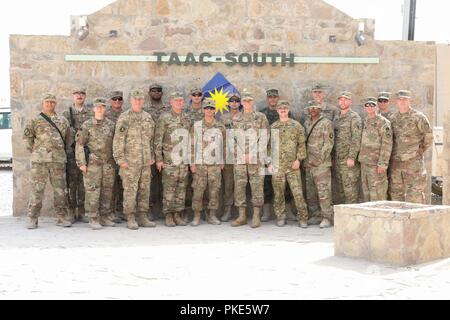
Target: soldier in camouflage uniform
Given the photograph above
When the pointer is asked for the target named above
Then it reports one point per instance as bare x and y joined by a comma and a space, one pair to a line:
319, 145
113, 113
318, 93
77, 114
248, 170
291, 153
133, 152
413, 136
49, 151
348, 130
383, 105
94, 156
376, 148
234, 103
173, 125
207, 134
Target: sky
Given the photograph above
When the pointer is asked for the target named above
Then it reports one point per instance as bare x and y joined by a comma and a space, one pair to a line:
52, 17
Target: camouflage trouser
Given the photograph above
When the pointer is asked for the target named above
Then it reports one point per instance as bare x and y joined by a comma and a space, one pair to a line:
117, 196
348, 183
251, 174
76, 185
293, 178
268, 189
136, 185
374, 185
99, 184
40, 173
318, 191
408, 181
207, 177
174, 181
228, 182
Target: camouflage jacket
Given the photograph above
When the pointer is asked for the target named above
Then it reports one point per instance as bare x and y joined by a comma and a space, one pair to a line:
328, 111
156, 110
413, 135
320, 143
228, 118
133, 139
272, 115
291, 144
376, 142
388, 115
79, 117
167, 125
113, 115
193, 115
97, 136
45, 143
348, 130
208, 139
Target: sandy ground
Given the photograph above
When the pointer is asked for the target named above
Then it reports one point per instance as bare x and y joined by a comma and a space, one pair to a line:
196, 263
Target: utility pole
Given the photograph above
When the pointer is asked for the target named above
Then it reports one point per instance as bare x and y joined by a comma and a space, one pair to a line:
409, 19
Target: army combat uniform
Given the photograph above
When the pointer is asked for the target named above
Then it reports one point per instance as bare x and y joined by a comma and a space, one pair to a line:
376, 148
49, 154
96, 137
413, 135
133, 144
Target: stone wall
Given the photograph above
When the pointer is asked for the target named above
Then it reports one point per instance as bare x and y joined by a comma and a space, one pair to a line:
302, 27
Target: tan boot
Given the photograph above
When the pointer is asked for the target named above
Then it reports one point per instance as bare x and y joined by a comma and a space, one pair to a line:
82, 215
61, 221
267, 212
94, 223
178, 220
303, 224
212, 218
169, 220
281, 220
242, 219
131, 222
196, 221
32, 223
227, 215
144, 222
325, 224
256, 221
107, 222
71, 215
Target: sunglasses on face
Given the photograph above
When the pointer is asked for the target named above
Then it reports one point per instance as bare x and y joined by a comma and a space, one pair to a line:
235, 100
117, 99
197, 95
80, 93
370, 106
156, 90
383, 101
210, 108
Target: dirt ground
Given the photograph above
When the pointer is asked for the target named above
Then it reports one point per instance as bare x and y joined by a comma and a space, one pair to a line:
207, 262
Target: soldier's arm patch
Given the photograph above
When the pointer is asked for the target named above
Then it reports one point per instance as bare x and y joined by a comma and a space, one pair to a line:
27, 132
331, 136
388, 132
122, 129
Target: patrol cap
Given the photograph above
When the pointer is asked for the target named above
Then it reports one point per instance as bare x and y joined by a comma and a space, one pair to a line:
48, 97
404, 94
384, 95
273, 93
209, 104
177, 95
314, 105
318, 87
247, 95
346, 95
370, 101
283, 104
99, 102
155, 86
138, 94
196, 90
79, 90
116, 94
234, 95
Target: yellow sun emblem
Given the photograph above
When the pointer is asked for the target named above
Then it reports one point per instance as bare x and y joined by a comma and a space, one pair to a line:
221, 100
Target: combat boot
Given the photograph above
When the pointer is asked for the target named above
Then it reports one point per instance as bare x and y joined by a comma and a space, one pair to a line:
106, 222
303, 224
196, 221
178, 220
115, 218
227, 215
281, 220
32, 223
122, 216
169, 220
131, 222
314, 220
82, 215
211, 218
267, 212
61, 221
256, 220
325, 224
71, 215
94, 223
242, 219
144, 222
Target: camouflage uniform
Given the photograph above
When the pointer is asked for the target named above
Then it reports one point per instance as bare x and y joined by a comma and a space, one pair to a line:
376, 148
174, 176
75, 176
318, 166
291, 148
413, 135
348, 130
48, 160
97, 136
133, 144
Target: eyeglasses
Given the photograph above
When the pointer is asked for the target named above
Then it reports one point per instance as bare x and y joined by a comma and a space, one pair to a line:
234, 100
209, 108
117, 99
156, 90
197, 95
370, 106
383, 101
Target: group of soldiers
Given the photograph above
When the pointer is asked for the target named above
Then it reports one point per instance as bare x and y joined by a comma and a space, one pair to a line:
109, 164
